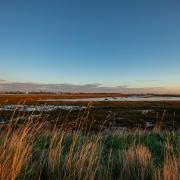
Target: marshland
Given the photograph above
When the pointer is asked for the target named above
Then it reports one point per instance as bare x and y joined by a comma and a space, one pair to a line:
43, 139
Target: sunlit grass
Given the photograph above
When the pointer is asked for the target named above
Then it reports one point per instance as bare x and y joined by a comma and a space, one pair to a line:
31, 151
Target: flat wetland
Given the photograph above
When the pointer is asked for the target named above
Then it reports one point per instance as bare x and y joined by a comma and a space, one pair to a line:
62, 136
104, 114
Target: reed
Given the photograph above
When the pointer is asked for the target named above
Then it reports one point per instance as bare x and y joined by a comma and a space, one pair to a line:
31, 151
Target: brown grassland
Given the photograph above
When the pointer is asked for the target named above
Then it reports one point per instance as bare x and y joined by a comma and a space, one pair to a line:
84, 144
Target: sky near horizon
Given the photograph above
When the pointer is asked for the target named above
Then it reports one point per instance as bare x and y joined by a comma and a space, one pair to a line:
109, 42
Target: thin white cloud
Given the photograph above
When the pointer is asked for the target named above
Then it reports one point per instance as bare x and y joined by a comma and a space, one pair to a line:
3, 81
96, 87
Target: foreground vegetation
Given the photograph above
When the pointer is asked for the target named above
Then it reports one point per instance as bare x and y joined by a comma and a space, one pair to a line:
32, 151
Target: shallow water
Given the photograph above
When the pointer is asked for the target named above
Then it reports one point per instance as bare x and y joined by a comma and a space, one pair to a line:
45, 108
132, 98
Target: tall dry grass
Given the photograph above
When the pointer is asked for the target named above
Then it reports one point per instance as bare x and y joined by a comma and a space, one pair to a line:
170, 169
137, 163
30, 151
16, 148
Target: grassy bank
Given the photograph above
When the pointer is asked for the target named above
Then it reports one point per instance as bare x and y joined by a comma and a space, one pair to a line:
32, 151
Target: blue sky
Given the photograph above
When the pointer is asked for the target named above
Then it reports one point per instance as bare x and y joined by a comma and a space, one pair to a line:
111, 42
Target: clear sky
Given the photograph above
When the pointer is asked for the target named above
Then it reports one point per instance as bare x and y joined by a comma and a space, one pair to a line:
111, 42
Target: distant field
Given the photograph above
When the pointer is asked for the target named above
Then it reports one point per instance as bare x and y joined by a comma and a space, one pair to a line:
118, 114
14, 98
